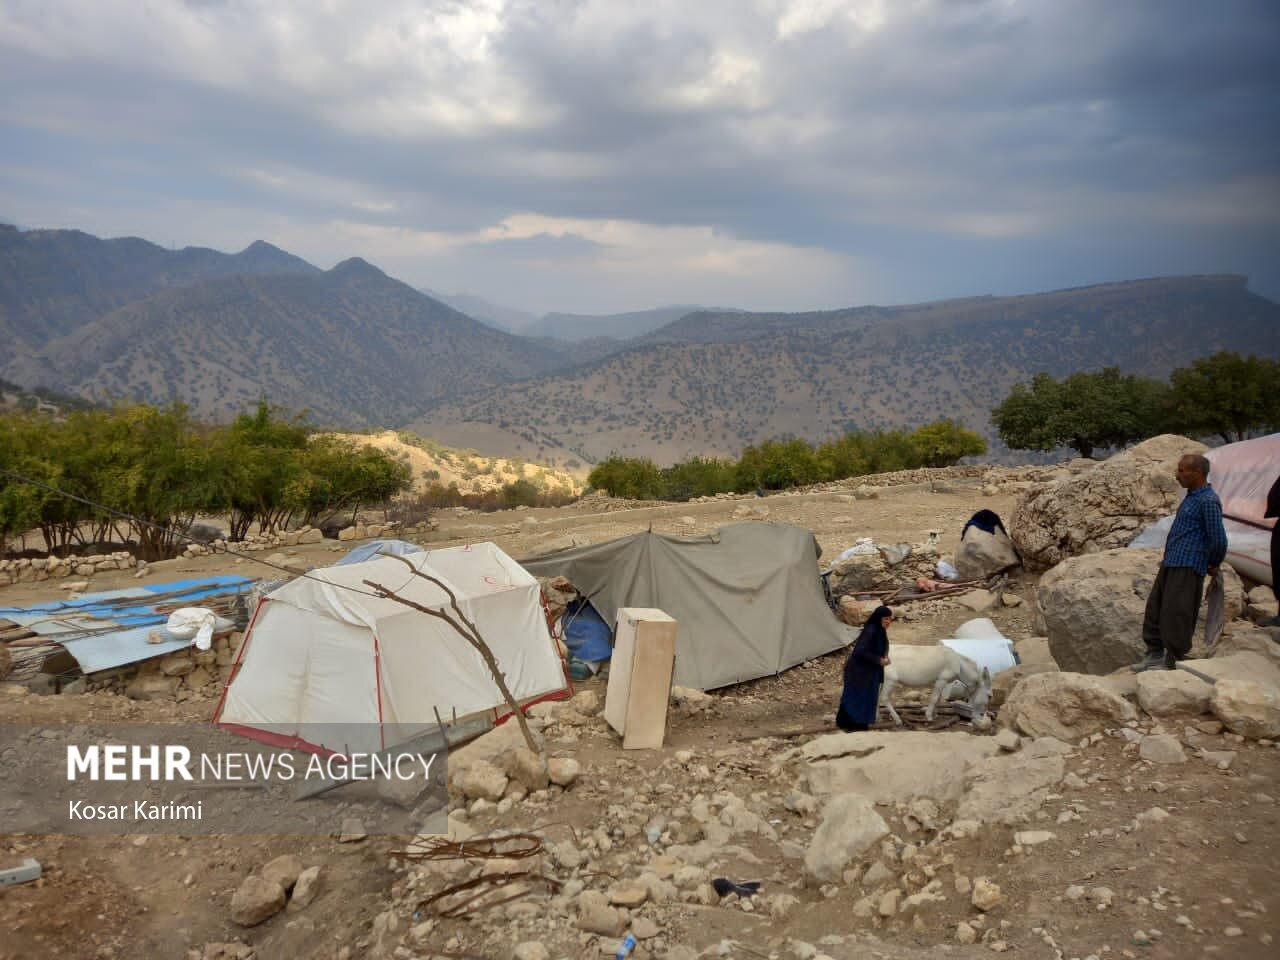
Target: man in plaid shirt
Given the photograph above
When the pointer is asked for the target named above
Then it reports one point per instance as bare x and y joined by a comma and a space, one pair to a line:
1196, 545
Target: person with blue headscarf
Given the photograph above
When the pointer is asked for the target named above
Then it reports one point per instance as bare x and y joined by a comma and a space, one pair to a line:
864, 673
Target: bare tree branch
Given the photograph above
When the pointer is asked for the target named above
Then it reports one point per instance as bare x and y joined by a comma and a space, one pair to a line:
469, 632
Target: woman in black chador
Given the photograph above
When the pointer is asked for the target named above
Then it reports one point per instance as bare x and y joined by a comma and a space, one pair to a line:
864, 673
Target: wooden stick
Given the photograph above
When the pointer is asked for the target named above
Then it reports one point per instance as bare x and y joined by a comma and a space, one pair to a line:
786, 734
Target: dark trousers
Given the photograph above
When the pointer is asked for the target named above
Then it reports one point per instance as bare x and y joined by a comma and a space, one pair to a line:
1172, 610
1275, 557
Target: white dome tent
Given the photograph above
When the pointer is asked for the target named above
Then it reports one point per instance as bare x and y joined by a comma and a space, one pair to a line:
324, 651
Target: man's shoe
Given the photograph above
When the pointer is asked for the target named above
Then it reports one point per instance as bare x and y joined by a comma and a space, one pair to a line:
1154, 660
1273, 622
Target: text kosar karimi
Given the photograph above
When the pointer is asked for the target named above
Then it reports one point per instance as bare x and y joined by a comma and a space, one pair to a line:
174, 763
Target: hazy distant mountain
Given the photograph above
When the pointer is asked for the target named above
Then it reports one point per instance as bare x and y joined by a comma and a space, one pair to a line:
712, 383
570, 327
361, 349
352, 345
493, 314
616, 326
54, 281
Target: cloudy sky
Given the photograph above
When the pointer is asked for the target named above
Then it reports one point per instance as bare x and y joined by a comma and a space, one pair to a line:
608, 155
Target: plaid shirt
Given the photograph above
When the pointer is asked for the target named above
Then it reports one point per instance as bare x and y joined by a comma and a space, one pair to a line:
1197, 538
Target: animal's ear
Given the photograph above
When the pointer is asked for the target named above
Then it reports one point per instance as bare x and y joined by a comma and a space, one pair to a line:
986, 676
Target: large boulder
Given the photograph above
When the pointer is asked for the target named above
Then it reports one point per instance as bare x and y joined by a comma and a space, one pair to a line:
490, 748
1004, 682
1250, 708
849, 826
1166, 693
1100, 508
1009, 788
859, 572
1264, 642
1091, 608
481, 779
1237, 665
982, 555
1262, 603
1246, 692
1067, 706
256, 900
885, 766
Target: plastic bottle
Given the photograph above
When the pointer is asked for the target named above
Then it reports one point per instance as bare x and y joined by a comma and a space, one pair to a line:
625, 948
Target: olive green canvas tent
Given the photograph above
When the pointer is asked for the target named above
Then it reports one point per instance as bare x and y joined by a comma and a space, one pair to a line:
747, 598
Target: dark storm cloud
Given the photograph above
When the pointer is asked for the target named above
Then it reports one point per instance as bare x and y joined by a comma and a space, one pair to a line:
945, 148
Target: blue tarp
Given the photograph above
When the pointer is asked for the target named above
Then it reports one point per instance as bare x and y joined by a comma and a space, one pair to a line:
586, 634
131, 607
375, 548
113, 627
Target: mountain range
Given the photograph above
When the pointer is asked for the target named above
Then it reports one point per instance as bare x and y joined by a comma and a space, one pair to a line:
572, 327
107, 319
712, 382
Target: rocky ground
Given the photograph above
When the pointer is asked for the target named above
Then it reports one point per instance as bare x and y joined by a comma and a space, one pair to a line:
1126, 835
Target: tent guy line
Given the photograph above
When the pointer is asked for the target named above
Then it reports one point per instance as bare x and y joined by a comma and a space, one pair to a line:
181, 536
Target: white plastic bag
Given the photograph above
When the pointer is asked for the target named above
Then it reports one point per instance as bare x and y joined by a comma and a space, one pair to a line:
191, 622
946, 571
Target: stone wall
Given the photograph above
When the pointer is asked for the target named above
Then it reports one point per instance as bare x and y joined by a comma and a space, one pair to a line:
182, 675
32, 569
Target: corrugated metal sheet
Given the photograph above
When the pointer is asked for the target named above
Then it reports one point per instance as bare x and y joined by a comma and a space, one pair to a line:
112, 628
106, 650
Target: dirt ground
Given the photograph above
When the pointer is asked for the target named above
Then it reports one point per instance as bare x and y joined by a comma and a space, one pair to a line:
1201, 883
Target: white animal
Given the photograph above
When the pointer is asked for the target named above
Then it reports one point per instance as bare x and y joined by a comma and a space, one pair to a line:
939, 666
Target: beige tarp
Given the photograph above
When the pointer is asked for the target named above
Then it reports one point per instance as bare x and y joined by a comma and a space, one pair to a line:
748, 597
1241, 474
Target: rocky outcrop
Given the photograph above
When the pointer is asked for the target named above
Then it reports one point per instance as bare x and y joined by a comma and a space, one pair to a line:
1066, 706
1033, 657
1165, 693
850, 826
883, 766
1091, 608
982, 555
1101, 508
1008, 788
1246, 692
1250, 708
256, 900
1262, 603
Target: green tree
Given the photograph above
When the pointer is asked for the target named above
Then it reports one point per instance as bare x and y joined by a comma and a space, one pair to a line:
1108, 409
153, 465
1085, 411
848, 456
1023, 418
338, 475
635, 478
890, 450
1227, 395
520, 493
698, 477
778, 465
27, 449
943, 443
258, 458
